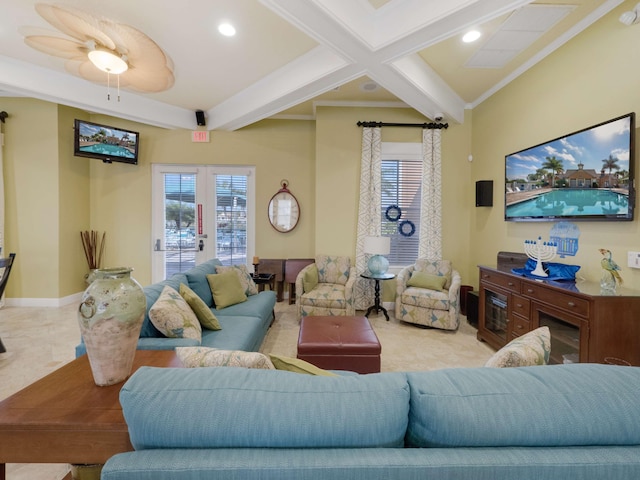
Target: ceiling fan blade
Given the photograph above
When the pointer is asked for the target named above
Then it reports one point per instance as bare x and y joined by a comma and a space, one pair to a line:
142, 51
57, 46
148, 81
76, 24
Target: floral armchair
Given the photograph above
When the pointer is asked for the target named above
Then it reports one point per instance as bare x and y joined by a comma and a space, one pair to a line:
428, 293
326, 287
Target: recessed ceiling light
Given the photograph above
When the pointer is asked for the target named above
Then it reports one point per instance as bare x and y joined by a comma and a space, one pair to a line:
369, 86
471, 36
227, 29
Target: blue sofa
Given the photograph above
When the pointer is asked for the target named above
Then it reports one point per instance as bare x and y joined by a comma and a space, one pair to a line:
566, 422
244, 325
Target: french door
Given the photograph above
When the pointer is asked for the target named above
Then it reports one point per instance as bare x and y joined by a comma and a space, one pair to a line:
201, 212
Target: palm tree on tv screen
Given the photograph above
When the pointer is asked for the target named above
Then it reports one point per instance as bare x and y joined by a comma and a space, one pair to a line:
610, 163
555, 166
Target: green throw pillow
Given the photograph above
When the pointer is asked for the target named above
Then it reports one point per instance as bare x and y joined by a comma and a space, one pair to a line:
298, 366
205, 316
427, 280
310, 278
244, 276
226, 289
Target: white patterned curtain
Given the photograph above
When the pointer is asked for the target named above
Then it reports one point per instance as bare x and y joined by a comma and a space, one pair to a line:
368, 210
431, 208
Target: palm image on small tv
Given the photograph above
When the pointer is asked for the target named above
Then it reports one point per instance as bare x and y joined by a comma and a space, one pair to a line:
105, 142
587, 175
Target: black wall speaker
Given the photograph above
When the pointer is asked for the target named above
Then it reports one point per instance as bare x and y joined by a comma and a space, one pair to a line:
200, 118
484, 193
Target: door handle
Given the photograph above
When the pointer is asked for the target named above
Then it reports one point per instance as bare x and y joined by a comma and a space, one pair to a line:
201, 245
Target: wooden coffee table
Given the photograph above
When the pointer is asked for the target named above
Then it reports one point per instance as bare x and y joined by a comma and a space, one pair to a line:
66, 418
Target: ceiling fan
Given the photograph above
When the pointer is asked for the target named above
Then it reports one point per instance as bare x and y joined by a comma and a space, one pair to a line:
139, 63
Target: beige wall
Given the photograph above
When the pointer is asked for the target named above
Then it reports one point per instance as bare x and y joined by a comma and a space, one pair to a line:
121, 193
52, 195
31, 197
593, 78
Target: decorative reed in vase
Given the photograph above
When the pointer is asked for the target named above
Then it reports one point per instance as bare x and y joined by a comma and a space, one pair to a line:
93, 245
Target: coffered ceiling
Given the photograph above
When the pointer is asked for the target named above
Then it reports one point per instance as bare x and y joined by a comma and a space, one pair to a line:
287, 58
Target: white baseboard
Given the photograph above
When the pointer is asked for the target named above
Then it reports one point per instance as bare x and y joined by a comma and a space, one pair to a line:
43, 302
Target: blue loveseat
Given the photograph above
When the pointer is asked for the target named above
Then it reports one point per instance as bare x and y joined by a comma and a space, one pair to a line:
564, 422
244, 325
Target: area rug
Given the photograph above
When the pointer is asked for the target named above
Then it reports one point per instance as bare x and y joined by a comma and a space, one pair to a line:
405, 347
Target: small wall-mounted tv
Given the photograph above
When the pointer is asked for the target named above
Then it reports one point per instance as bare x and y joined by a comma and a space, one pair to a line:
586, 175
109, 144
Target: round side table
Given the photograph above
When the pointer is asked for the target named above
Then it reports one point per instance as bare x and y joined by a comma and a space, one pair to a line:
376, 306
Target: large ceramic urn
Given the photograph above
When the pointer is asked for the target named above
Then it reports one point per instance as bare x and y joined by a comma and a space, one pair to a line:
110, 318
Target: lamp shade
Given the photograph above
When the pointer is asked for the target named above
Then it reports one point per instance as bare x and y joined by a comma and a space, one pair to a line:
377, 245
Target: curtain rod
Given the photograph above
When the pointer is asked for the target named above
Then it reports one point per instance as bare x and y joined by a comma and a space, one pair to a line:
418, 125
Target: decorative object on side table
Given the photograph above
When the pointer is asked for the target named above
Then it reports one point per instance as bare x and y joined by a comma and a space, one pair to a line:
540, 252
377, 247
110, 318
610, 278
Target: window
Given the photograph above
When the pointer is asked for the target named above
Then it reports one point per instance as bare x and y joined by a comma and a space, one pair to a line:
401, 198
231, 219
179, 222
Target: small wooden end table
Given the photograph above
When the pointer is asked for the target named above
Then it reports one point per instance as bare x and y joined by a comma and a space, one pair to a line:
377, 306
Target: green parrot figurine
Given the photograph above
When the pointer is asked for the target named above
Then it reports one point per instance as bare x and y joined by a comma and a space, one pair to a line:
610, 266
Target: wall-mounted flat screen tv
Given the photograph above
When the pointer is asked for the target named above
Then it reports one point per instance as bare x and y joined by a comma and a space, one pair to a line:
586, 175
109, 144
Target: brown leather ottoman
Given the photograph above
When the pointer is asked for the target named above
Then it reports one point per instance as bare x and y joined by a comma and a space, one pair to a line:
339, 343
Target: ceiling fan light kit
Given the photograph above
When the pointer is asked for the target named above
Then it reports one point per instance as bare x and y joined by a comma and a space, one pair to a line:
108, 61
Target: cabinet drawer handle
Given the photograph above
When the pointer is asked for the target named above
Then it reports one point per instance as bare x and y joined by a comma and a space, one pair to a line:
571, 304
519, 327
486, 276
510, 284
529, 290
519, 305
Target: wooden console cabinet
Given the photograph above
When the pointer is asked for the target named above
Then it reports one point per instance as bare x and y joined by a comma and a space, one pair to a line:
586, 325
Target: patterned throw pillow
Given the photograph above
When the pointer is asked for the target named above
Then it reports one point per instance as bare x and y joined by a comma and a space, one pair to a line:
205, 316
244, 276
226, 289
530, 349
213, 357
173, 317
299, 366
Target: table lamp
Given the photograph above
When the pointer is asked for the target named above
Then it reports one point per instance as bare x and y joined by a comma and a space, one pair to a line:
377, 247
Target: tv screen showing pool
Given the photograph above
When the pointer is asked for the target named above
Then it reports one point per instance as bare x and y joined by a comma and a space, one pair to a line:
586, 175
109, 144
